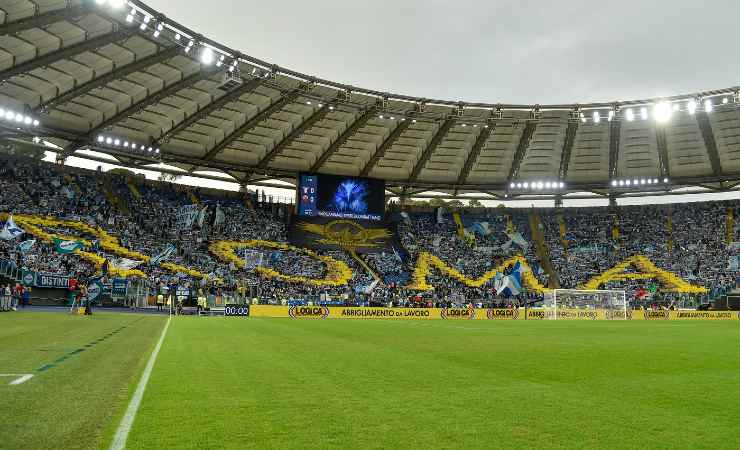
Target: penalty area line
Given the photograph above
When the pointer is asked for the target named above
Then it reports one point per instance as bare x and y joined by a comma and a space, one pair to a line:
20, 377
119, 440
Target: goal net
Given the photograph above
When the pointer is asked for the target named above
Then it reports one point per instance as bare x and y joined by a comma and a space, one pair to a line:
583, 304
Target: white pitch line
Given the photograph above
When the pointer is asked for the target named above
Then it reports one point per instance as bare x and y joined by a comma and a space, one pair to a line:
22, 377
119, 440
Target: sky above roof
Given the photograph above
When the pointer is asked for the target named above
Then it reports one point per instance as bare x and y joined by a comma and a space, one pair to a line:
504, 51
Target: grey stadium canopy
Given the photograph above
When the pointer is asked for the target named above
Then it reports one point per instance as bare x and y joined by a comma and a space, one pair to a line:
118, 77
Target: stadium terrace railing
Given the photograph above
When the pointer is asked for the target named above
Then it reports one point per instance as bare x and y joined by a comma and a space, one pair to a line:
10, 270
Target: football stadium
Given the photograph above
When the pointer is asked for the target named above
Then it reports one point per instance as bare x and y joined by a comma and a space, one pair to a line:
205, 249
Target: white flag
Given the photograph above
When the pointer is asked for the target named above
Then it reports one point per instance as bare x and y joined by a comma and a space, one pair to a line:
10, 231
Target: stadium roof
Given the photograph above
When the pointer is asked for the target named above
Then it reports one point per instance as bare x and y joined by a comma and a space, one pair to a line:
120, 78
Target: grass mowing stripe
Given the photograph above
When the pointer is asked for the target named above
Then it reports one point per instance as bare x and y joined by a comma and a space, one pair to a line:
77, 351
278, 383
79, 403
119, 441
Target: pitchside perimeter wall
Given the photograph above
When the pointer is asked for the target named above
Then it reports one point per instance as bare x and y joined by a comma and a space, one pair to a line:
331, 312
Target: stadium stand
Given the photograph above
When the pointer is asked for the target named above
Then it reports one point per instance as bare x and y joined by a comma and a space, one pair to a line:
593, 241
88, 78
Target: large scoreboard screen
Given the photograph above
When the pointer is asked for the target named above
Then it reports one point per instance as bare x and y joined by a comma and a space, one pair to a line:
343, 197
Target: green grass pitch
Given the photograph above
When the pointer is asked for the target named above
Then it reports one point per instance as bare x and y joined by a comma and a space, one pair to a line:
280, 383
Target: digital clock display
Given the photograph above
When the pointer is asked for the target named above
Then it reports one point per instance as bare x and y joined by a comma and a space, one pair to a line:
237, 310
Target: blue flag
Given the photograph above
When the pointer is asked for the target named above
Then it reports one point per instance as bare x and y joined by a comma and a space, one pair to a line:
10, 231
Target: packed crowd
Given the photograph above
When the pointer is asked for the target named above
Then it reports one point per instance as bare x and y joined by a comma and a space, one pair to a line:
144, 219
688, 240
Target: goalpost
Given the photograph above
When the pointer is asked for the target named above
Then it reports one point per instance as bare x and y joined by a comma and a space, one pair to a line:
586, 304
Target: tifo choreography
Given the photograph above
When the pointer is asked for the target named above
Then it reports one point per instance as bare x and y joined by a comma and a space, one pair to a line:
212, 248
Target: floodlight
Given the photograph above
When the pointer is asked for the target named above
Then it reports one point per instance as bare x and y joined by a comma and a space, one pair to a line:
206, 55
662, 112
691, 106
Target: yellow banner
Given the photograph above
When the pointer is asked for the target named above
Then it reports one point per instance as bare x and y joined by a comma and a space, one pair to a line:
458, 221
685, 315
338, 312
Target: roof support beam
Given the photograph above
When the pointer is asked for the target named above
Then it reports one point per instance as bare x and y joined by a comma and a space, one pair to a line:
116, 74
570, 137
249, 124
485, 133
90, 44
297, 131
154, 98
44, 19
210, 108
706, 131
662, 151
493, 194
344, 137
615, 130
427, 153
521, 149
380, 152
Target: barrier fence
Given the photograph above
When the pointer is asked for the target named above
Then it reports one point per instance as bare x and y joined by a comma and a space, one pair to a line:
333, 312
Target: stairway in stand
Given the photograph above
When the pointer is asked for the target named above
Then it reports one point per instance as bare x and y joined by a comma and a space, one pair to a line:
115, 200
541, 249
367, 267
